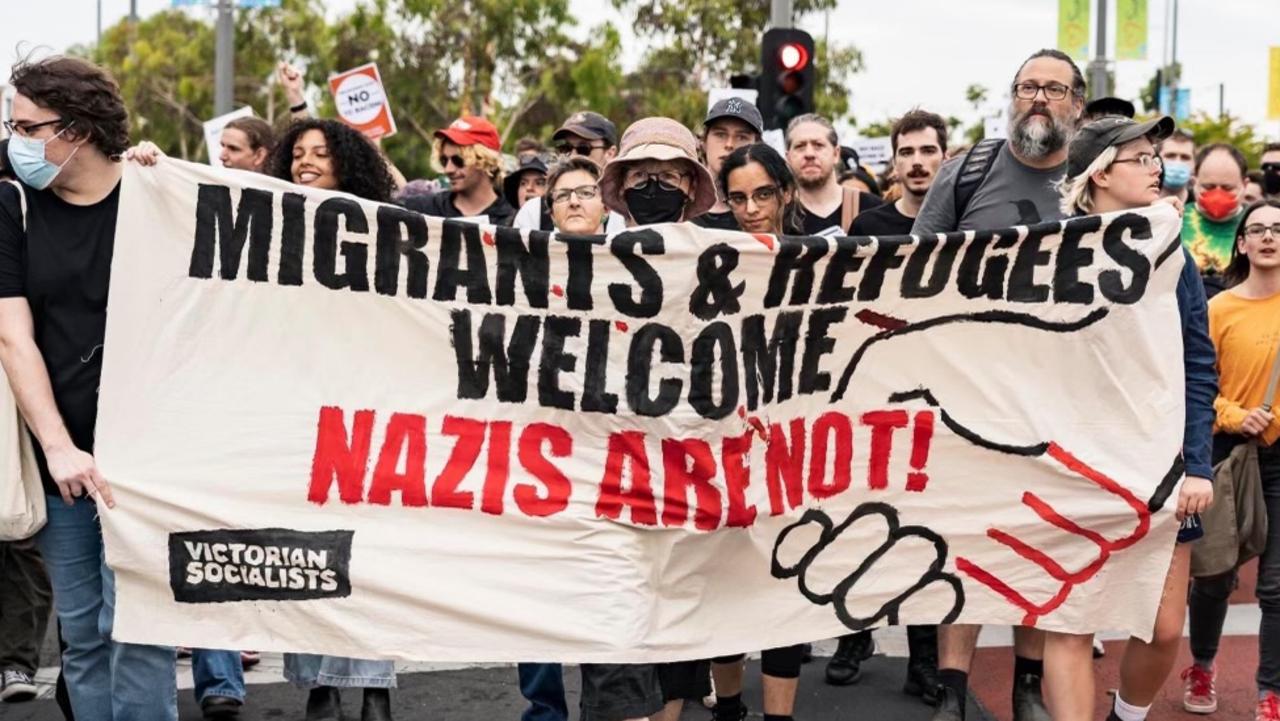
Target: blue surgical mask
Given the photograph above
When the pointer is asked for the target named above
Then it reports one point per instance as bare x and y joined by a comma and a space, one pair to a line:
26, 157
1176, 174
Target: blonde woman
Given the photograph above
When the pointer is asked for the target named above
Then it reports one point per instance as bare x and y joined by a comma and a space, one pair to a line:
1112, 165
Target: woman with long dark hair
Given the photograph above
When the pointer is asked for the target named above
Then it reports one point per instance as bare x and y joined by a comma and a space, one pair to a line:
761, 191
329, 155
1244, 323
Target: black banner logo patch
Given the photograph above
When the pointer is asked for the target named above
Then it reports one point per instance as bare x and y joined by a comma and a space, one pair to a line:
262, 564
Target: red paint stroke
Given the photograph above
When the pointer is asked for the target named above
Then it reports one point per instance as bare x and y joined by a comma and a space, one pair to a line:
488, 238
921, 437
879, 320
620, 325
1068, 579
557, 290
767, 240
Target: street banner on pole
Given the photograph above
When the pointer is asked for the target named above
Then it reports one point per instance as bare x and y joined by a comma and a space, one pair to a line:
340, 427
361, 101
1273, 94
1073, 27
1131, 29
213, 133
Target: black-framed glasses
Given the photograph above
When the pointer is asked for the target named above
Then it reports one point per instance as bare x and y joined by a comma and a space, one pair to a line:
584, 192
1052, 91
456, 160
577, 148
759, 195
1146, 160
1255, 231
667, 180
26, 129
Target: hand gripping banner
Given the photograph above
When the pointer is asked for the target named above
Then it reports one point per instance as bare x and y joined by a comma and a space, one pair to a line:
341, 427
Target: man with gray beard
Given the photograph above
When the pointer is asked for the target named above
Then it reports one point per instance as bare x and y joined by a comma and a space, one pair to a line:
999, 184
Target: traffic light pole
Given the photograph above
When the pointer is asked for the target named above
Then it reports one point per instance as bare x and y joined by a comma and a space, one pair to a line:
780, 14
224, 64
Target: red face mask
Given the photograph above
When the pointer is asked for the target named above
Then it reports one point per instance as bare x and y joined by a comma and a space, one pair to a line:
1218, 204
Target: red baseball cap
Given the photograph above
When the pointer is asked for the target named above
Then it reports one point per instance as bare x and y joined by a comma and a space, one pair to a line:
471, 130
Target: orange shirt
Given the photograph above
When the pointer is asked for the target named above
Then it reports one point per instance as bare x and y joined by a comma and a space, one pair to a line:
1246, 334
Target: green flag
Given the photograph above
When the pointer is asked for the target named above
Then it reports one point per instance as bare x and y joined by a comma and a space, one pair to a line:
1131, 31
1073, 28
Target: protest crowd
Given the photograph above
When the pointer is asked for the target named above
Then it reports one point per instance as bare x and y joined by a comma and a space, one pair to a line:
1062, 158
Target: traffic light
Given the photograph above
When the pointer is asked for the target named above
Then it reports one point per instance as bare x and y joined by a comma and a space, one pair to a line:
786, 76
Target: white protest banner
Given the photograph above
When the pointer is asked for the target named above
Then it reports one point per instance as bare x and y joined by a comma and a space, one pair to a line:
361, 101
338, 427
213, 133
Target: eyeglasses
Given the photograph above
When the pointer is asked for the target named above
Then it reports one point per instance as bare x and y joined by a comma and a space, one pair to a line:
578, 148
759, 195
26, 129
1257, 230
584, 192
1146, 160
1052, 91
456, 160
667, 180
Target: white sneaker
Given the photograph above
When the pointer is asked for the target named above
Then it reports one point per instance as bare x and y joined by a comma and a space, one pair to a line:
18, 686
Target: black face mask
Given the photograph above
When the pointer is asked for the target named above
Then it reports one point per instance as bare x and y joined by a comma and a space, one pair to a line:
653, 203
1271, 179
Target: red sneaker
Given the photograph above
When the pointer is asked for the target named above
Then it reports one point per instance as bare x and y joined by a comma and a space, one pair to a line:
1198, 694
1268, 707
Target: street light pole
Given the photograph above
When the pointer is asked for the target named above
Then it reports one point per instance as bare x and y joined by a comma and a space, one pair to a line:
224, 59
1098, 81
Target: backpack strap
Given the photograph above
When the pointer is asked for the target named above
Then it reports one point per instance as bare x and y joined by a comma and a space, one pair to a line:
849, 207
22, 200
1271, 384
976, 164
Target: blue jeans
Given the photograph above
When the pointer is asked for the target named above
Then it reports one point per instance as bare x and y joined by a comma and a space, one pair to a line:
309, 670
543, 685
107, 680
217, 673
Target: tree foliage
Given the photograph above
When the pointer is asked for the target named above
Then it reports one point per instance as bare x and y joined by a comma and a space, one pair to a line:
514, 61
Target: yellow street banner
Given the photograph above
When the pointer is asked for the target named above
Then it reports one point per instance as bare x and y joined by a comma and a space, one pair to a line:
1273, 97
1073, 28
1131, 31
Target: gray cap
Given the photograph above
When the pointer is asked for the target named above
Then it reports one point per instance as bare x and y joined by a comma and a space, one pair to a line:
1099, 135
738, 109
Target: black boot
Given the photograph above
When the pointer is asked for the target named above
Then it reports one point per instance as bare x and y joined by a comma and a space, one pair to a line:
729, 711
377, 705
845, 666
950, 705
1028, 702
324, 704
922, 666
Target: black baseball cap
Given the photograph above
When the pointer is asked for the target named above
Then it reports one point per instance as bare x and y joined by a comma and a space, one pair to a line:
1110, 106
589, 125
511, 184
738, 109
1099, 135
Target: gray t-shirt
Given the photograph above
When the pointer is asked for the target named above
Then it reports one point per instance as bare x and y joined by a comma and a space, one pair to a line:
1011, 194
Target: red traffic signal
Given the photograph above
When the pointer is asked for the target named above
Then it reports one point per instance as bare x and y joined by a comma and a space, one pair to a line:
787, 77
793, 56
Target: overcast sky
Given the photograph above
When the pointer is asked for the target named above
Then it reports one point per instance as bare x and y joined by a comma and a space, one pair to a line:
918, 52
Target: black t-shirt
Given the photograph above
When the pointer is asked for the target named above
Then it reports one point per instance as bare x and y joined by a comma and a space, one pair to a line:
721, 221
882, 220
441, 205
61, 263
815, 224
